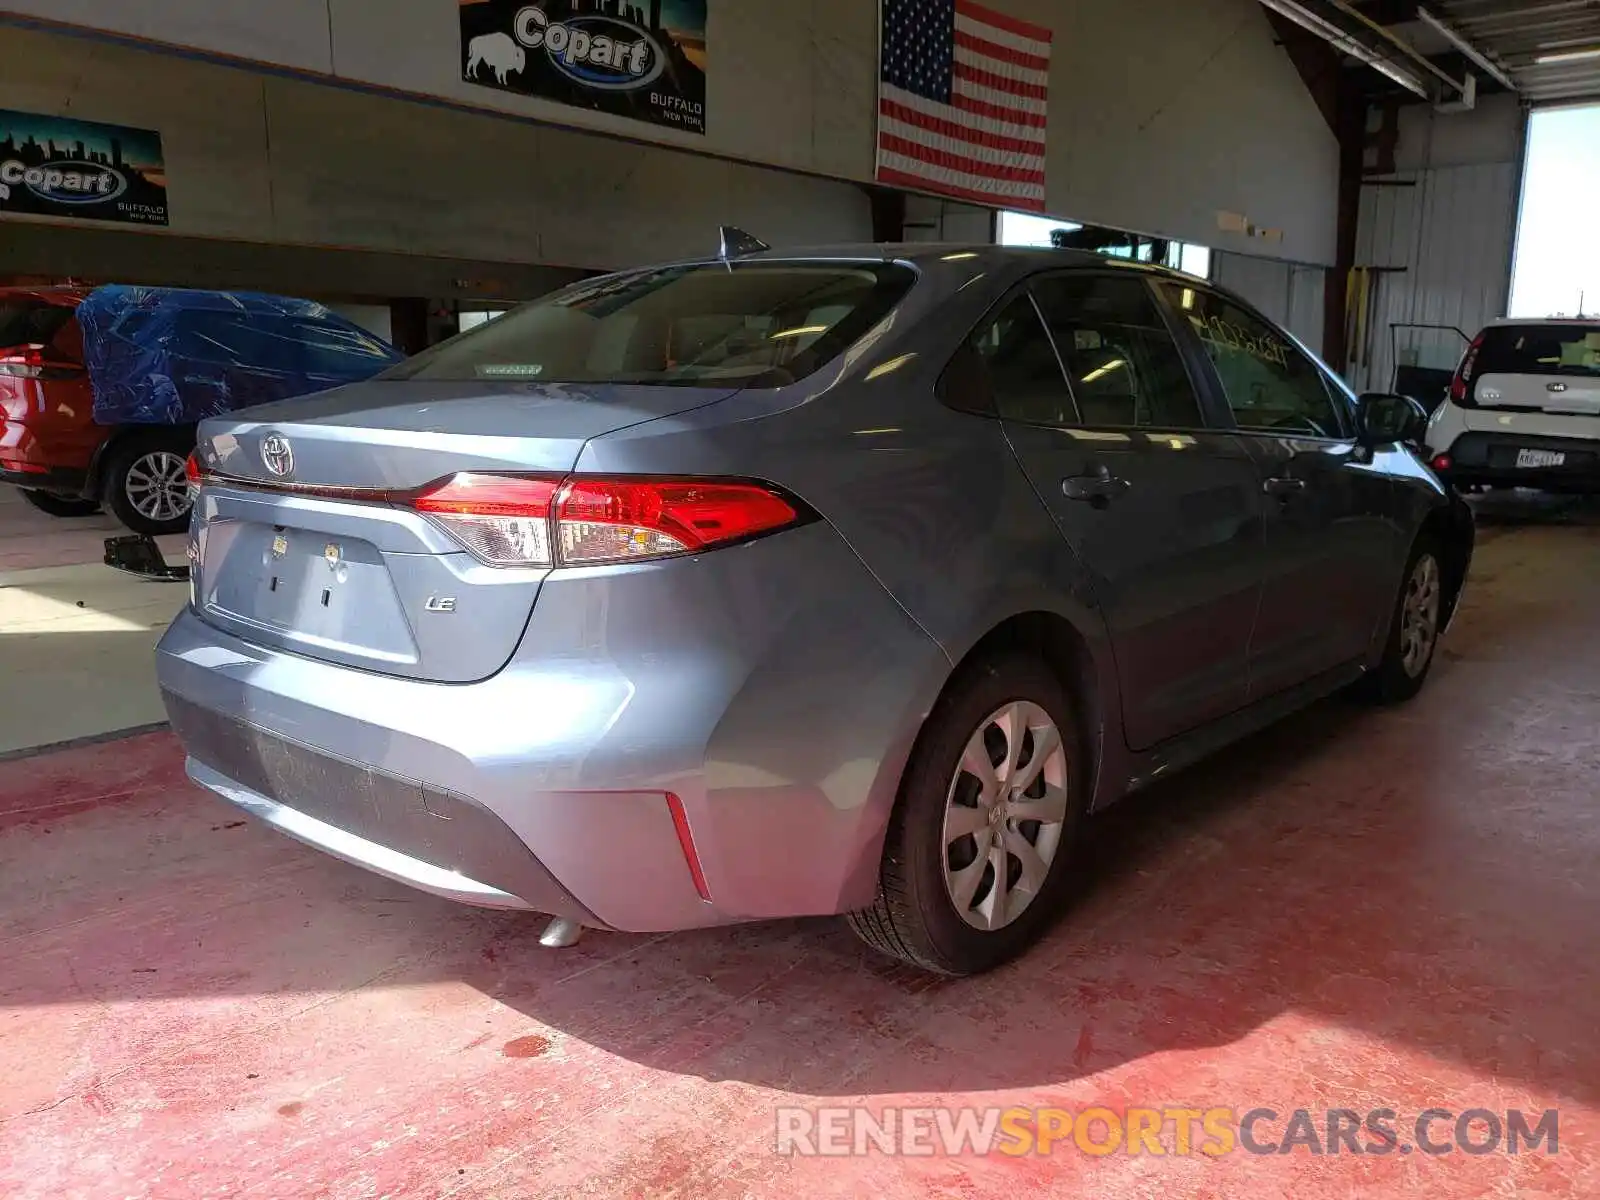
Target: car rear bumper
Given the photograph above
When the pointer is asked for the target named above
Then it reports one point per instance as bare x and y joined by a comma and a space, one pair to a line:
1492, 458
431, 839
58, 481
771, 709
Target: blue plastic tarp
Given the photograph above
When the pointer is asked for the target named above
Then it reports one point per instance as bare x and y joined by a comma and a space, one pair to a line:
171, 356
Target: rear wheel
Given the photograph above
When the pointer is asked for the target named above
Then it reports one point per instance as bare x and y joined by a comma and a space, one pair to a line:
59, 506
1413, 630
144, 485
975, 860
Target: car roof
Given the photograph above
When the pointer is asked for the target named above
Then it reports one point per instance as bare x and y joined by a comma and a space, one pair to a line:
1500, 322
929, 255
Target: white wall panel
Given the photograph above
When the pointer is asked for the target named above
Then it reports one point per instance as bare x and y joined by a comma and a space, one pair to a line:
1292, 294
1449, 233
1163, 112
933, 220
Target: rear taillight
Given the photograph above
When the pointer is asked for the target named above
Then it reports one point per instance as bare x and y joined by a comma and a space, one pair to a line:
601, 520
541, 521
1461, 384
192, 471
502, 519
22, 362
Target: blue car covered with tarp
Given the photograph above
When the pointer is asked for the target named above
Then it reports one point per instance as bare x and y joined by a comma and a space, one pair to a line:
174, 356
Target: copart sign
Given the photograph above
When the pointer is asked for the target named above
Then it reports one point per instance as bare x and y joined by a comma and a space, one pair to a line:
644, 59
81, 170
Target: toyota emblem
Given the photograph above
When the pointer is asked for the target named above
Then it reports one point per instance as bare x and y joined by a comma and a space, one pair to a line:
277, 455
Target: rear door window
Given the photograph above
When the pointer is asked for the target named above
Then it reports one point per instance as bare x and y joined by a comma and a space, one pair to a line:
750, 324
1124, 368
1008, 368
1567, 350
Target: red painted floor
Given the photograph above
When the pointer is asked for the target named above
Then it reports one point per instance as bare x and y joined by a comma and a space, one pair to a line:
1360, 910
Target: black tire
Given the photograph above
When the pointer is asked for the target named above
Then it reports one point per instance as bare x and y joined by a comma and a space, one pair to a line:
1394, 680
136, 459
59, 506
915, 917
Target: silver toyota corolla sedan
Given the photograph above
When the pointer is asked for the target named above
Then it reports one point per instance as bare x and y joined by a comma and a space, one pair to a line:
838, 581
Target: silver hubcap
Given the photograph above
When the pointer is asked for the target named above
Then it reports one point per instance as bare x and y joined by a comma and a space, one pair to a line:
1004, 815
156, 486
1419, 616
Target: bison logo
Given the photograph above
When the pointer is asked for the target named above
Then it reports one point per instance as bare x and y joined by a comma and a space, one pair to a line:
497, 51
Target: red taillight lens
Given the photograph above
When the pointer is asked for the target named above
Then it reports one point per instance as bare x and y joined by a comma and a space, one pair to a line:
533, 521
502, 519
22, 362
603, 520
192, 471
1461, 384
1441, 462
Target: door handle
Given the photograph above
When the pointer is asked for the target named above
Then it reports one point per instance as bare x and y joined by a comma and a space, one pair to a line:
1283, 486
1098, 489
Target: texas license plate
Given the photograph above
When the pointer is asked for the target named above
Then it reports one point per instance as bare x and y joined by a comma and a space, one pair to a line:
1540, 458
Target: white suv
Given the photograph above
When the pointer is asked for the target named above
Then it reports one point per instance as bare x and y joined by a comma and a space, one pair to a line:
1523, 409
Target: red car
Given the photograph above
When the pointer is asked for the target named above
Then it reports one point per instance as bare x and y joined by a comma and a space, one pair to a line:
50, 447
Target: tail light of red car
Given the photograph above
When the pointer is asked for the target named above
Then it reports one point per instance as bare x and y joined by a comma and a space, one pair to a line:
35, 362
22, 362
544, 521
1461, 384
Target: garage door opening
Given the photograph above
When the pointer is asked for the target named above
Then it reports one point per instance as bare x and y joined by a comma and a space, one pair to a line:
1557, 266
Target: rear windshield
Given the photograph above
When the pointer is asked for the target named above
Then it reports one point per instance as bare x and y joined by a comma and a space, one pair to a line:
757, 324
30, 323
1539, 350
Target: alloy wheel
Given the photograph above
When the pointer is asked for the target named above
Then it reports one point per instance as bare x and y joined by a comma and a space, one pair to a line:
1419, 616
1004, 815
156, 486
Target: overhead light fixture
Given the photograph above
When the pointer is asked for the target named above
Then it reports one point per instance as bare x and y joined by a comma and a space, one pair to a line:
1473, 55
1566, 56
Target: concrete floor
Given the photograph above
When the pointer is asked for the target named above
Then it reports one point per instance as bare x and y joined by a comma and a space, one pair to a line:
76, 637
1394, 909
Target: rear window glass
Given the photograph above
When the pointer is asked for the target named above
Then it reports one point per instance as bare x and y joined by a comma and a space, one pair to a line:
758, 324
1539, 350
31, 324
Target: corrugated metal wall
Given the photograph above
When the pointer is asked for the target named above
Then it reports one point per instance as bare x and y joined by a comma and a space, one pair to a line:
1447, 219
1290, 293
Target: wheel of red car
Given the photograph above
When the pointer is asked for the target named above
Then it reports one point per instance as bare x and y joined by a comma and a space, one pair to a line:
144, 485
59, 506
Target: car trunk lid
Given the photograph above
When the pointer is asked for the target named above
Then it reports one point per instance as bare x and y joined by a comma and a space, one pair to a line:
304, 541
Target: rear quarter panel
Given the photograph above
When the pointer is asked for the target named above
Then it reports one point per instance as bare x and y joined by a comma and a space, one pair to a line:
931, 501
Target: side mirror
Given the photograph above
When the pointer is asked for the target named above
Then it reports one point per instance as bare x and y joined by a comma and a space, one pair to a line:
1383, 418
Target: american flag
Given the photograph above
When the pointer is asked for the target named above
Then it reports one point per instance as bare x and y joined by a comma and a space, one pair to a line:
961, 102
